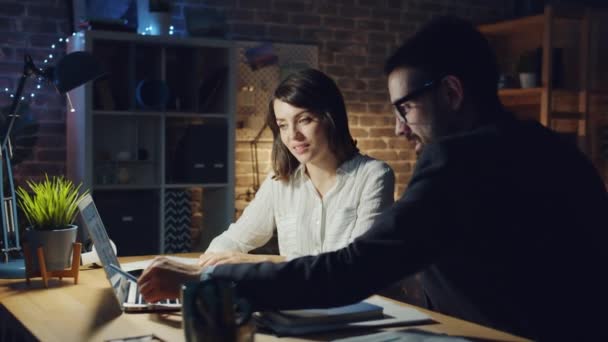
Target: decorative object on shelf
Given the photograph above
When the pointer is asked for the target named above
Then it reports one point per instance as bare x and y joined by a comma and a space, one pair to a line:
154, 17
205, 22
123, 156
142, 154
178, 215
123, 175
152, 94
506, 81
71, 71
50, 210
210, 88
261, 56
527, 68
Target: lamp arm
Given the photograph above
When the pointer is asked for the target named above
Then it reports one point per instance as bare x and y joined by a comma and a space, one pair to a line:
29, 69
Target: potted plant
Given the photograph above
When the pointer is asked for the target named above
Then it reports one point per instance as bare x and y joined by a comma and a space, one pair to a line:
527, 68
50, 208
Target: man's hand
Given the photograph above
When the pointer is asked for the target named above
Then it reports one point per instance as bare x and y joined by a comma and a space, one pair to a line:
164, 277
209, 259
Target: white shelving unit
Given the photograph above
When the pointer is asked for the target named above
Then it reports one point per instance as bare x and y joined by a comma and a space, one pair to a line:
148, 161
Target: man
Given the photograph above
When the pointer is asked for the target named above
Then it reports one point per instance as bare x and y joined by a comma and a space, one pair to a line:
505, 218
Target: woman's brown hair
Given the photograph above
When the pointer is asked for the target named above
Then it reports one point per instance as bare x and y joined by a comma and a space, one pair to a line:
312, 90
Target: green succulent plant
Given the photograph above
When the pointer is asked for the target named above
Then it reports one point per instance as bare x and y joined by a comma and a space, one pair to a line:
52, 203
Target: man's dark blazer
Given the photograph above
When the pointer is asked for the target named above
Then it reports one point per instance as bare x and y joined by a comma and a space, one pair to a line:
508, 223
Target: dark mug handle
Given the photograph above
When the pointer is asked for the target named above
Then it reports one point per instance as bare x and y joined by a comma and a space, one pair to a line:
243, 310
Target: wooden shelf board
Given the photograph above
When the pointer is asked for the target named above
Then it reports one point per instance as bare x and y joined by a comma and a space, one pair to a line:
514, 25
196, 185
125, 187
196, 115
124, 113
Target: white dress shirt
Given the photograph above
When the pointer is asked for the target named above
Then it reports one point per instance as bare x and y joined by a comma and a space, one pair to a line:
306, 223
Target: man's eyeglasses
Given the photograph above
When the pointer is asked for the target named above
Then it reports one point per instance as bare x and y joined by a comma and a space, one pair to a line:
401, 103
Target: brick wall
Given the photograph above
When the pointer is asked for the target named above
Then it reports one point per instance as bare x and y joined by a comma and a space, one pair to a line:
354, 38
31, 27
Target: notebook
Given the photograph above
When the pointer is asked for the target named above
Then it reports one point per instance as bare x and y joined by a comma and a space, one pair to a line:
360, 311
125, 290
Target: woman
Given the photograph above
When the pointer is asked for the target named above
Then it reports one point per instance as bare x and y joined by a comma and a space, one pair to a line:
322, 194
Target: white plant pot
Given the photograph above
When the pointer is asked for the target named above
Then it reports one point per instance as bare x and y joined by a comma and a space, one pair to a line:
57, 246
527, 79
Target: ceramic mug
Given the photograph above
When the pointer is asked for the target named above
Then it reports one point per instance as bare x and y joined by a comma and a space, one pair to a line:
212, 312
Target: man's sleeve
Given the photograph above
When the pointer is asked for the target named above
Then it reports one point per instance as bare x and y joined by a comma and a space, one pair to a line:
428, 222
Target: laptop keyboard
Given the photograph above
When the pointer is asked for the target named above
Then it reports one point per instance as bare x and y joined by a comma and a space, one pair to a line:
134, 297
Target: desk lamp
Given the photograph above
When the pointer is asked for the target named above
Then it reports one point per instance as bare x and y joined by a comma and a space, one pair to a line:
71, 71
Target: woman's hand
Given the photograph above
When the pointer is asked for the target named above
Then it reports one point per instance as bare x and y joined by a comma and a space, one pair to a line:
164, 277
219, 258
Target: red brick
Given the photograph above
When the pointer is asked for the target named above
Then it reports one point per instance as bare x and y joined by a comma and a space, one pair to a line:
381, 132
350, 60
381, 108
11, 68
356, 108
371, 144
253, 4
336, 71
46, 11
240, 15
383, 155
371, 25
13, 39
306, 20
398, 143
354, 12
381, 37
12, 9
288, 33
359, 132
273, 17
351, 84
353, 120
249, 29
327, 9
379, 13
338, 22
409, 154
374, 97
375, 121
293, 6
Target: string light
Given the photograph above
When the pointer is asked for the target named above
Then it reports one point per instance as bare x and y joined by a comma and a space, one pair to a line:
46, 61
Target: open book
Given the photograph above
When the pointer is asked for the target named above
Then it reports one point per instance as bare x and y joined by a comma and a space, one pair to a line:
349, 313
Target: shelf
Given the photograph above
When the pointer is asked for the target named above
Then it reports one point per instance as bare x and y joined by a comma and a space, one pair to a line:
98, 187
196, 185
196, 115
125, 113
159, 114
523, 25
520, 97
516, 25
125, 161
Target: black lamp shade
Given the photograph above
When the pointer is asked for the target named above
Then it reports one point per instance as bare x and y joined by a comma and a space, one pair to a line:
73, 70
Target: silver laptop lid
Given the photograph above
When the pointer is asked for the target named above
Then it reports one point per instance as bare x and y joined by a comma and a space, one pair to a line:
97, 232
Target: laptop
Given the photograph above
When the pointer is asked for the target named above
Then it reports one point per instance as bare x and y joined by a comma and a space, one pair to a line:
125, 289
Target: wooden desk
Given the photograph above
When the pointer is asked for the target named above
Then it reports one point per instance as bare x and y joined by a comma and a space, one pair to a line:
89, 312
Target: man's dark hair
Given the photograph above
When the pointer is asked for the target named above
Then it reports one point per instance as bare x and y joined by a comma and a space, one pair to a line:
452, 46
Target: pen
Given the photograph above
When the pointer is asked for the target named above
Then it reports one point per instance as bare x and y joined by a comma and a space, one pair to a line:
119, 270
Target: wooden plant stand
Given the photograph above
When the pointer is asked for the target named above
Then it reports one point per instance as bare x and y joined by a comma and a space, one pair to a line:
68, 273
